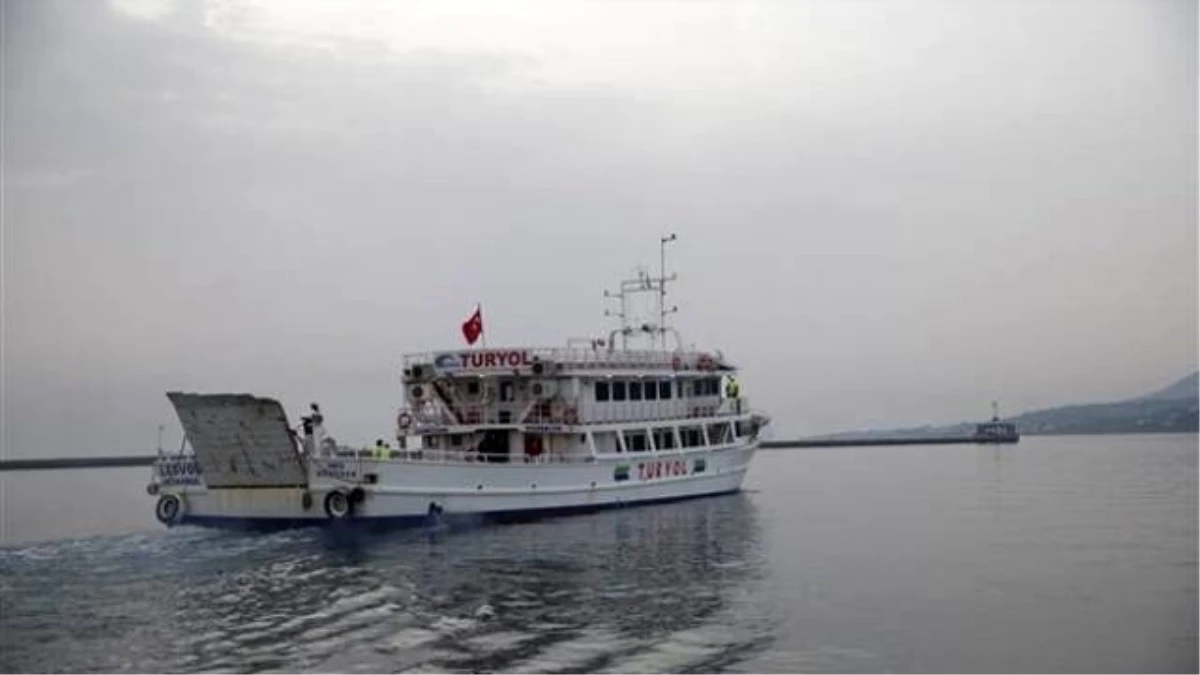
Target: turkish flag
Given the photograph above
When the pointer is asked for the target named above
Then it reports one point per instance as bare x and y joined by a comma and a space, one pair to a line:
473, 328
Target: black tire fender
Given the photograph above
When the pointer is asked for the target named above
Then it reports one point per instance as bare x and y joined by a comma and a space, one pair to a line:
168, 510
338, 505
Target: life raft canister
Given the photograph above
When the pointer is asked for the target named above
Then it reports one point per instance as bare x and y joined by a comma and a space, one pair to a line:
168, 509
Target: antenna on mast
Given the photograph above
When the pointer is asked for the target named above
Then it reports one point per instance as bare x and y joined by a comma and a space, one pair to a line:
644, 283
662, 289
621, 314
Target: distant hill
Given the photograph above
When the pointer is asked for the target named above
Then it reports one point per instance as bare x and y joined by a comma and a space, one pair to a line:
1188, 387
1172, 409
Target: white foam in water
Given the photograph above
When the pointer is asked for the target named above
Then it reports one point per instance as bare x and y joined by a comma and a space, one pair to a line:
365, 617
412, 637
674, 652
450, 624
495, 642
427, 669
571, 654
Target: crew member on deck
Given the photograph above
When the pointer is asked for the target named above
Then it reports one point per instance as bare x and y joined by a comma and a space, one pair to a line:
382, 450
732, 389
307, 423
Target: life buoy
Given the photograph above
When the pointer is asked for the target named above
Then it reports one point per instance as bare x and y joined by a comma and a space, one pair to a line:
168, 509
570, 415
705, 362
404, 420
337, 505
676, 362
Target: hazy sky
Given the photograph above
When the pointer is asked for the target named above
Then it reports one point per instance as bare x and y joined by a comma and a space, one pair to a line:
888, 212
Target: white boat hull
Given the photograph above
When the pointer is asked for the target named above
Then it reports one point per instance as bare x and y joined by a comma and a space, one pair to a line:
407, 491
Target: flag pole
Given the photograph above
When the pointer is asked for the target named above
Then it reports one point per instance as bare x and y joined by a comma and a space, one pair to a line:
482, 327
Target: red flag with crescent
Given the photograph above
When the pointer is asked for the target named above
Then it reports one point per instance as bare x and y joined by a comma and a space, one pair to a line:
473, 327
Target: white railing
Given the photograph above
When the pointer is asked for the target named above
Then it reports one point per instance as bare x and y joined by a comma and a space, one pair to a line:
591, 358
430, 416
466, 456
436, 414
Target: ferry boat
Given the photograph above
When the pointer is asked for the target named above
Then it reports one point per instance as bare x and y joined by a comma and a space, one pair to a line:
995, 430
488, 433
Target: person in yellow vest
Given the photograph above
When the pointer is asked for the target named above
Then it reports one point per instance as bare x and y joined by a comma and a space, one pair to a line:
382, 451
732, 390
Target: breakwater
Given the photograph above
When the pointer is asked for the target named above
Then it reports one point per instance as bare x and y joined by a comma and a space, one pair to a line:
147, 460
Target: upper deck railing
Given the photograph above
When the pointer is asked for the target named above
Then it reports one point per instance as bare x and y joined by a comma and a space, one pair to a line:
436, 416
569, 358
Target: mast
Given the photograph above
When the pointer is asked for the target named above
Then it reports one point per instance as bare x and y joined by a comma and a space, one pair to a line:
644, 283
662, 289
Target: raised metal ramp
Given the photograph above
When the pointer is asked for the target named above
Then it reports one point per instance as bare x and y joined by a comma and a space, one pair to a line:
240, 441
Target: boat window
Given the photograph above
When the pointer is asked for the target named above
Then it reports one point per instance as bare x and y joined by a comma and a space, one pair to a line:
664, 439
635, 390
678, 388
618, 390
455, 440
506, 390
719, 434
691, 437
636, 441
664, 389
472, 387
602, 391
431, 441
650, 390
606, 441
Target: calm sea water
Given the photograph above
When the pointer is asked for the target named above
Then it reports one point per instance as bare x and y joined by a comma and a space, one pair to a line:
1057, 555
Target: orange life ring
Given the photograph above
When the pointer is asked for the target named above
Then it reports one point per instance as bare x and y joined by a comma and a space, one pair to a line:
404, 420
705, 362
676, 362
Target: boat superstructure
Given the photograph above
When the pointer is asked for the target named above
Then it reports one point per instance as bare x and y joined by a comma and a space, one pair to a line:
996, 430
483, 431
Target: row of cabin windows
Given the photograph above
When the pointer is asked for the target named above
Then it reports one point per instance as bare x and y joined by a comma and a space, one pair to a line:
689, 437
654, 390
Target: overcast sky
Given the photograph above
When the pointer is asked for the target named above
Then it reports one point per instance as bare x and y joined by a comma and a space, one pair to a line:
888, 212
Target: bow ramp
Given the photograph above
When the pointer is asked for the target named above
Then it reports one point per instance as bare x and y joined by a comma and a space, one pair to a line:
240, 441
